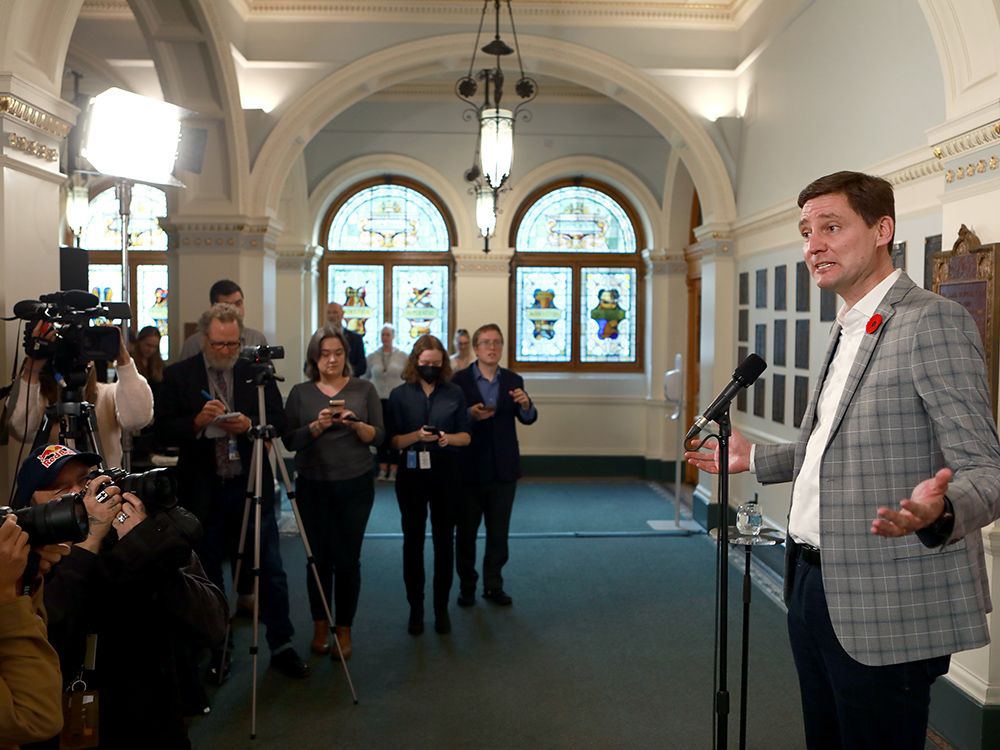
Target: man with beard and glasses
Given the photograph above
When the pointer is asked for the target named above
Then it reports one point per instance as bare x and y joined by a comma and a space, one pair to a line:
207, 405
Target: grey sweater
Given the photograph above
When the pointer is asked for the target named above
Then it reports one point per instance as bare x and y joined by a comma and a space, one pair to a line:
337, 453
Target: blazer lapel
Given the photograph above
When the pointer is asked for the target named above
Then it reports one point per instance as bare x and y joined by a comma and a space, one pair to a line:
866, 351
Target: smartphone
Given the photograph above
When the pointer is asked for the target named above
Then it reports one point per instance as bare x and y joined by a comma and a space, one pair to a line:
337, 404
431, 428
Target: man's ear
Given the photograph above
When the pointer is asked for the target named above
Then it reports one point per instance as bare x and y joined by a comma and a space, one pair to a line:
886, 227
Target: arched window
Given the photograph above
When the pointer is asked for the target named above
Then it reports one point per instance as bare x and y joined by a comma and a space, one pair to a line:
577, 298
149, 283
388, 260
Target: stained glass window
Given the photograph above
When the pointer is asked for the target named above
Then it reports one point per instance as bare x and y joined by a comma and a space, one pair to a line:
575, 219
607, 314
103, 230
388, 217
577, 292
360, 289
544, 314
151, 296
105, 281
420, 303
388, 260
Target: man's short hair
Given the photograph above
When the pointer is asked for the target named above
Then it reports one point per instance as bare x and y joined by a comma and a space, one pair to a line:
222, 312
222, 288
315, 345
870, 197
483, 329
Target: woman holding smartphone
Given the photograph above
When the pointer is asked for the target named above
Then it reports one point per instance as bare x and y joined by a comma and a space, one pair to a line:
333, 420
429, 424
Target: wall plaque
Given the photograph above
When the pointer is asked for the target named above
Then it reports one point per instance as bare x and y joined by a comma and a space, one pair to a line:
760, 340
827, 305
801, 287
802, 344
899, 255
743, 326
761, 301
800, 399
781, 287
778, 398
745, 288
932, 246
968, 276
758, 397
780, 336
741, 394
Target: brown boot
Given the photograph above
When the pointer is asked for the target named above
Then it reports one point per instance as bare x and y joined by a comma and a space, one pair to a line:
321, 637
343, 635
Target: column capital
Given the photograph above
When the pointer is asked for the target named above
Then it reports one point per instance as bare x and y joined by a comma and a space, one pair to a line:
664, 261
225, 234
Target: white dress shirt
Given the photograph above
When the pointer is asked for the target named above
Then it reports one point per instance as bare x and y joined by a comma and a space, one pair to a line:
803, 520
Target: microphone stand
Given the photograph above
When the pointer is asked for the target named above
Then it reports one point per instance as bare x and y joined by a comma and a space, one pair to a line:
722, 585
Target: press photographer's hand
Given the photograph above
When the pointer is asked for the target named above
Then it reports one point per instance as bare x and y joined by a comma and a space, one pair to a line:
102, 501
13, 557
131, 513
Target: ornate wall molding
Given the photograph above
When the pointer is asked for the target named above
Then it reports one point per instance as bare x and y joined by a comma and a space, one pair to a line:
471, 263
19, 109
665, 262
34, 148
927, 168
225, 237
969, 141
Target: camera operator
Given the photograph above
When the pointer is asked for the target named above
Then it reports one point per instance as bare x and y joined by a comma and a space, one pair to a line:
205, 407
135, 589
30, 682
124, 405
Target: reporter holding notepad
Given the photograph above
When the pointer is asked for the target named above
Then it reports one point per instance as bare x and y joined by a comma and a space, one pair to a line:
333, 420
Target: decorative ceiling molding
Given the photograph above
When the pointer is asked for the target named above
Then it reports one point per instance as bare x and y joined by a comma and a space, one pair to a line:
726, 13
970, 141
29, 115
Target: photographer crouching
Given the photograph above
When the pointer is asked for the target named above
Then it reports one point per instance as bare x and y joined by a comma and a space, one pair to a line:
128, 604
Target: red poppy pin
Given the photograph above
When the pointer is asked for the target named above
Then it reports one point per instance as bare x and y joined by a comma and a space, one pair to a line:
873, 323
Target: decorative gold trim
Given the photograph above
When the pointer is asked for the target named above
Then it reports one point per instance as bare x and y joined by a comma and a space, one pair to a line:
974, 139
34, 148
915, 172
36, 118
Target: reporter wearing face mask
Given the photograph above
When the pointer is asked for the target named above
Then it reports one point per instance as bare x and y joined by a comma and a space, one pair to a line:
428, 422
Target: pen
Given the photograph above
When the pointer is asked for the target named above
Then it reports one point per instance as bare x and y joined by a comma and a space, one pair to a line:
207, 396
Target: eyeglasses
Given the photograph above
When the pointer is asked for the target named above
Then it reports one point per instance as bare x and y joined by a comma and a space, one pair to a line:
221, 345
490, 342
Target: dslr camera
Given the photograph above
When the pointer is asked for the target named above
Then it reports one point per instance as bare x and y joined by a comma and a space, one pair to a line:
62, 520
260, 358
157, 488
75, 342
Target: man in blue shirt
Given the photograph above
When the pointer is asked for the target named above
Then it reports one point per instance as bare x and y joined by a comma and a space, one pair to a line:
492, 467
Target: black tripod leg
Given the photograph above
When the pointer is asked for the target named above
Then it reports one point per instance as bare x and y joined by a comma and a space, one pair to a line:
311, 560
745, 664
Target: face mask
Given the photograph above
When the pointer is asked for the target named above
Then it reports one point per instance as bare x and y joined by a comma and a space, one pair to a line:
429, 373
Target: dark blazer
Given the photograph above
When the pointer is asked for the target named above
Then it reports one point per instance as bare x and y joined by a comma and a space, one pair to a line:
356, 353
494, 451
180, 401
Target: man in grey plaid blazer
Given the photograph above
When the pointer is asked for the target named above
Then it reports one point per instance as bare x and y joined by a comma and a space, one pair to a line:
894, 474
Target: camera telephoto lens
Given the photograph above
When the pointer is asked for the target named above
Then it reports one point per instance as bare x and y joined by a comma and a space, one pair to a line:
62, 520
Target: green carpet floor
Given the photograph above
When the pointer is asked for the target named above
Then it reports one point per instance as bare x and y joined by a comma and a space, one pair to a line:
609, 644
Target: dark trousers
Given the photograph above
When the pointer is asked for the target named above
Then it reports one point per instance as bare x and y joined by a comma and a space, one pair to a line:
492, 503
416, 491
334, 517
384, 453
846, 704
221, 541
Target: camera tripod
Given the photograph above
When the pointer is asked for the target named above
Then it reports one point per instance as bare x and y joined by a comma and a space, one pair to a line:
255, 491
77, 423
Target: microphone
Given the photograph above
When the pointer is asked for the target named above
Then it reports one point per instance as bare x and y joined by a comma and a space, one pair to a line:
748, 371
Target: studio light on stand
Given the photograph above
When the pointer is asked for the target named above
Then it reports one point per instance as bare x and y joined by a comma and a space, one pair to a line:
495, 135
131, 138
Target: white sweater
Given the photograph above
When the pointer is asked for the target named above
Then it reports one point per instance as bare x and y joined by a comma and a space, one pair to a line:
127, 404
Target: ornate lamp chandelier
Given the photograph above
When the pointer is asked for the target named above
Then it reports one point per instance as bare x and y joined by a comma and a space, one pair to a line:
495, 141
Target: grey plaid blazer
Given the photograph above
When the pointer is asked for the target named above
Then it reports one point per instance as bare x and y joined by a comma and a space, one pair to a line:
916, 400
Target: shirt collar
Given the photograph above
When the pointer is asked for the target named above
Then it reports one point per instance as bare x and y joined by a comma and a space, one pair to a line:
867, 305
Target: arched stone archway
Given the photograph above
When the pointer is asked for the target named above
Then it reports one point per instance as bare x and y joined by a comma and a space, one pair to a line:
570, 62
